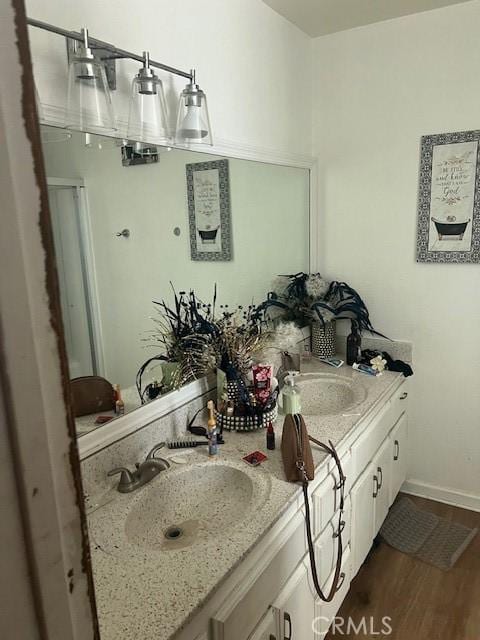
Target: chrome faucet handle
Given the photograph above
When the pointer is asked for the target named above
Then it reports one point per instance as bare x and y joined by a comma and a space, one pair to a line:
157, 447
126, 479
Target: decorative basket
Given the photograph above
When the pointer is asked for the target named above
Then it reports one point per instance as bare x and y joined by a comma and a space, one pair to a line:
246, 423
323, 339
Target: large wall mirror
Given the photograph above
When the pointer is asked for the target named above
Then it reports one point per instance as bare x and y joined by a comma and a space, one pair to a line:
133, 224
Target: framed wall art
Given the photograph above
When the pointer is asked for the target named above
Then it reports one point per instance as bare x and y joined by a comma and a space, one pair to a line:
449, 198
209, 212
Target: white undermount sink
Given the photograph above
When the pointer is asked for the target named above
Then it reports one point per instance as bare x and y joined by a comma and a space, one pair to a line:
187, 504
328, 394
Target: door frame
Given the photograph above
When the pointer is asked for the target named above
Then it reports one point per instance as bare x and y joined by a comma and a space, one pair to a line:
33, 367
88, 267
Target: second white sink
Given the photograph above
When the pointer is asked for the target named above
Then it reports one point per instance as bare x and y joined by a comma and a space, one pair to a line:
328, 394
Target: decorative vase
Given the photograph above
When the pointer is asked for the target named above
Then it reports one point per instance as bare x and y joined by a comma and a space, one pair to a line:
233, 392
323, 339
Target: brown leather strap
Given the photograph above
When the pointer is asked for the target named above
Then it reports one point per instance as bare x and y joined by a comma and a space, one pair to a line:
338, 576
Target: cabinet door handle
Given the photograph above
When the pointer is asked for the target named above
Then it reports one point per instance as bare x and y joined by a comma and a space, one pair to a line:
380, 472
340, 529
286, 618
376, 488
396, 453
404, 396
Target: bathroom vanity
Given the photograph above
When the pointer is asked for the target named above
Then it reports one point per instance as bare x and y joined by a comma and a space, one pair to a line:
239, 568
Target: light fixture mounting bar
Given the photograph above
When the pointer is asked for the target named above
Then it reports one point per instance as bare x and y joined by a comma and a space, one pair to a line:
115, 52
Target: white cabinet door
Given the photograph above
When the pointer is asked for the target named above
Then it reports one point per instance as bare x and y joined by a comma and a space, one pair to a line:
362, 517
267, 627
398, 455
382, 477
326, 547
295, 606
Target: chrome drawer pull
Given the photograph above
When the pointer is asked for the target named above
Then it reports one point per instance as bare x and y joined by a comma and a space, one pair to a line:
340, 529
286, 618
379, 470
396, 455
375, 491
404, 396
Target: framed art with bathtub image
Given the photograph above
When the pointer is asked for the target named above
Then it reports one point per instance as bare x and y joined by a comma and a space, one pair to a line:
209, 215
448, 199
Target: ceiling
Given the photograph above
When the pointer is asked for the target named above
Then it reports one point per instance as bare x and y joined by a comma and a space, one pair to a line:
319, 17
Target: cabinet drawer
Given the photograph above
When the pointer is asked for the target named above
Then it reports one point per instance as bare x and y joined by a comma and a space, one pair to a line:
326, 498
239, 615
326, 544
326, 611
365, 447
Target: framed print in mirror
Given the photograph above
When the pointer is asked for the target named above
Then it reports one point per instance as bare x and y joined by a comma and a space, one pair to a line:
208, 194
448, 201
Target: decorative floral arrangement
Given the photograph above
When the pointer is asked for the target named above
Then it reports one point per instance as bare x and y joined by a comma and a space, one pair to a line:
304, 298
231, 345
199, 338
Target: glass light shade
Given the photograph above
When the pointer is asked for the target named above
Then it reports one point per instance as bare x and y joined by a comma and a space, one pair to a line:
89, 103
193, 121
147, 118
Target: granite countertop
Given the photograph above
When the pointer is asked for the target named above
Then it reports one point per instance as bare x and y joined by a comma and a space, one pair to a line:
153, 591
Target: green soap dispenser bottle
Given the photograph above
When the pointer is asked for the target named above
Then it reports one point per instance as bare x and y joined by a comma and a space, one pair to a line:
291, 395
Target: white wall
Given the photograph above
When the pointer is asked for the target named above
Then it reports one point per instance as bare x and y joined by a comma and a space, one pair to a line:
270, 235
254, 65
378, 89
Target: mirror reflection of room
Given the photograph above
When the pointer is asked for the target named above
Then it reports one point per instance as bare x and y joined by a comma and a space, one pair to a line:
123, 240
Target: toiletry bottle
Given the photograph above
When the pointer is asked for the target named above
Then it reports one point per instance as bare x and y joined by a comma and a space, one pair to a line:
270, 437
354, 342
291, 395
119, 403
212, 430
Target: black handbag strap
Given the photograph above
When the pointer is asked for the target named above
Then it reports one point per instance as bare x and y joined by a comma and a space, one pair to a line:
338, 577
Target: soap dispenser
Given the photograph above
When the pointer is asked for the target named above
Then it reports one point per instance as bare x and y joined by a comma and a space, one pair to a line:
291, 395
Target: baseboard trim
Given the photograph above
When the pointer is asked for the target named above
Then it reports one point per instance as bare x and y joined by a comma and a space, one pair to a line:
442, 494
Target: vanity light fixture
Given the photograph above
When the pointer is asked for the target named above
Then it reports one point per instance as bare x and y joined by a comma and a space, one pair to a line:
138, 153
89, 103
193, 121
148, 117
92, 77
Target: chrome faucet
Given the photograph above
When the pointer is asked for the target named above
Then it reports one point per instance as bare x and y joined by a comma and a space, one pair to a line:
144, 472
